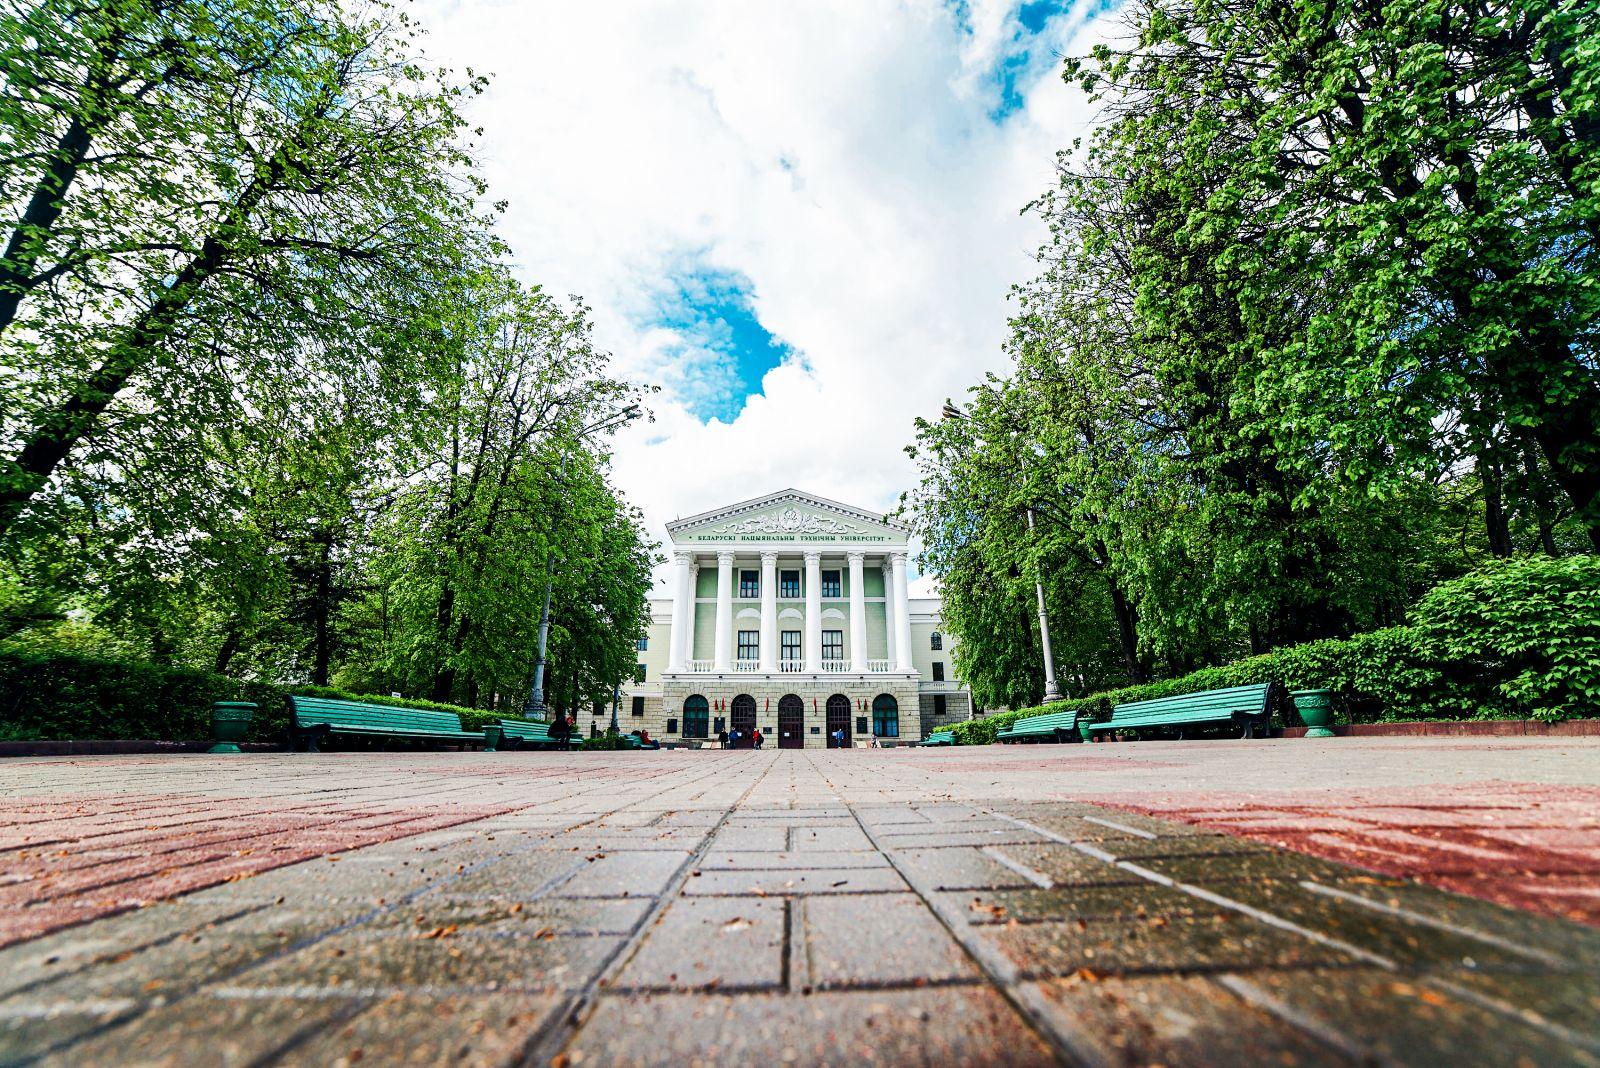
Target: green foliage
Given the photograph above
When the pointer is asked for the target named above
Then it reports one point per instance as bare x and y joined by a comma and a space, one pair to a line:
57, 695
1522, 635
604, 741
1516, 639
983, 731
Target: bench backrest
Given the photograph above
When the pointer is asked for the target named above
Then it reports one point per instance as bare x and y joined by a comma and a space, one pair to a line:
511, 728
948, 736
315, 711
1206, 705
1058, 721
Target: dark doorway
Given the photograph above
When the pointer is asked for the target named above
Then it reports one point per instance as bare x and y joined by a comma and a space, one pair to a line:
791, 722
838, 721
743, 719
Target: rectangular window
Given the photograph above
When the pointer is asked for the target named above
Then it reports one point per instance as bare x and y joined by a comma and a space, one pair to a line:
638, 704
672, 726
789, 584
638, 673
833, 645
936, 641
830, 584
749, 584
789, 645
939, 707
643, 645
749, 645
938, 671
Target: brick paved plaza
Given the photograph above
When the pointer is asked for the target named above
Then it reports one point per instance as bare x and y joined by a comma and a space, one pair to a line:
1287, 902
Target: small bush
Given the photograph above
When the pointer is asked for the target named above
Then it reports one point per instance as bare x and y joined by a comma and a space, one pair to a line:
604, 741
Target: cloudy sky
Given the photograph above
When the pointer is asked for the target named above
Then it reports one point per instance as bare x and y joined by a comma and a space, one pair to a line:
800, 218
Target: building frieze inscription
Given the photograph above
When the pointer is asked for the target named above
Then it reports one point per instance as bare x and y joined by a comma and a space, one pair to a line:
791, 524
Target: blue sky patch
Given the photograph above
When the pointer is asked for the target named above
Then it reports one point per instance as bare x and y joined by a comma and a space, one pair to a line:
722, 350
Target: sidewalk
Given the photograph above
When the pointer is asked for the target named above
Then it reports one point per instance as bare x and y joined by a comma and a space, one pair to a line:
966, 906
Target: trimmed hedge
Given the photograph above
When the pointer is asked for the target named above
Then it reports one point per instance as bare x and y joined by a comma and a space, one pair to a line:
69, 696
1519, 639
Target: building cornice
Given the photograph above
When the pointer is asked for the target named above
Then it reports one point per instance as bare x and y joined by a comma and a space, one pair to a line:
734, 511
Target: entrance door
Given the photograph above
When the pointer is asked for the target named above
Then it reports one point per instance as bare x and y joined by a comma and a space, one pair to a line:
742, 718
838, 720
791, 722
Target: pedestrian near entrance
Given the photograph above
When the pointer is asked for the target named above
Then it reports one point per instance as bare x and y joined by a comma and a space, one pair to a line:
758, 737
838, 738
722, 739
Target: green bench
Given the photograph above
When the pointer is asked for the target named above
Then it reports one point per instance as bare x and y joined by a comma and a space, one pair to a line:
939, 738
522, 734
1245, 707
1050, 727
315, 718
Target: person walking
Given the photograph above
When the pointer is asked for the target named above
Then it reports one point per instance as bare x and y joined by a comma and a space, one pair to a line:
758, 738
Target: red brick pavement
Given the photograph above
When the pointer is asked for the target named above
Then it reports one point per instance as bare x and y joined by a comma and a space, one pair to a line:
1525, 845
65, 861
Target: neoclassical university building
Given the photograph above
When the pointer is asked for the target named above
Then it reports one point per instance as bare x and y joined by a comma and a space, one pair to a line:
790, 613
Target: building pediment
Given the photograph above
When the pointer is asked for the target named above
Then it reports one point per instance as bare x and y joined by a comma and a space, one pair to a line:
787, 516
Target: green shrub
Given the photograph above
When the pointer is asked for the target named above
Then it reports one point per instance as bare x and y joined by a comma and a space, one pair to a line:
983, 731
60, 695
604, 741
65, 695
1520, 638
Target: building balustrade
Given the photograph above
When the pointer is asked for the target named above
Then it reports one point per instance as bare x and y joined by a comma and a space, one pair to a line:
838, 666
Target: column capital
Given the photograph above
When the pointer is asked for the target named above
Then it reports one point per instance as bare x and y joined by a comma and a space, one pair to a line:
769, 556
856, 556
900, 556
725, 556
812, 556
694, 567
682, 556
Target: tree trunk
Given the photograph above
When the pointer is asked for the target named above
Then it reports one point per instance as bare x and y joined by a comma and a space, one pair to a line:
322, 610
27, 243
1127, 633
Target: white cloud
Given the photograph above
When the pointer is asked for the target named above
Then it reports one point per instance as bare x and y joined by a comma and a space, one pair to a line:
841, 157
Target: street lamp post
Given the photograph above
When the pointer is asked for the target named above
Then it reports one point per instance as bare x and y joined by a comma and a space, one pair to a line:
534, 709
1052, 689
616, 698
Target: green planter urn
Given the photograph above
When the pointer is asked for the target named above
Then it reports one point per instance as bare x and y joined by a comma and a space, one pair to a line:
491, 737
1316, 711
230, 722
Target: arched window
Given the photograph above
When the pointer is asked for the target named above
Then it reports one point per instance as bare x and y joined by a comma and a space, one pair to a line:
936, 641
837, 723
696, 717
885, 716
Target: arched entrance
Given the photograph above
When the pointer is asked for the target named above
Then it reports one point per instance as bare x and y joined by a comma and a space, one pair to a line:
696, 717
742, 718
885, 716
838, 720
791, 722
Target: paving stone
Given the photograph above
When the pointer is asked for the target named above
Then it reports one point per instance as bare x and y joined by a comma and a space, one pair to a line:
1171, 1020
483, 1029
519, 876
880, 938
1217, 941
1241, 867
986, 836
957, 869
1136, 901
796, 881
1065, 866
709, 943
229, 1032
357, 963
1403, 1021
967, 1026
625, 875
821, 839
749, 860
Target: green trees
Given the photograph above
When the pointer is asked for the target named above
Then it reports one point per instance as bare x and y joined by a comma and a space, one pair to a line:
1314, 330
274, 405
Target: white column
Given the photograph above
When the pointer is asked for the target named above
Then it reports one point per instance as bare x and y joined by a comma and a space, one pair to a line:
688, 613
902, 616
888, 611
680, 590
724, 658
769, 611
813, 611
858, 612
